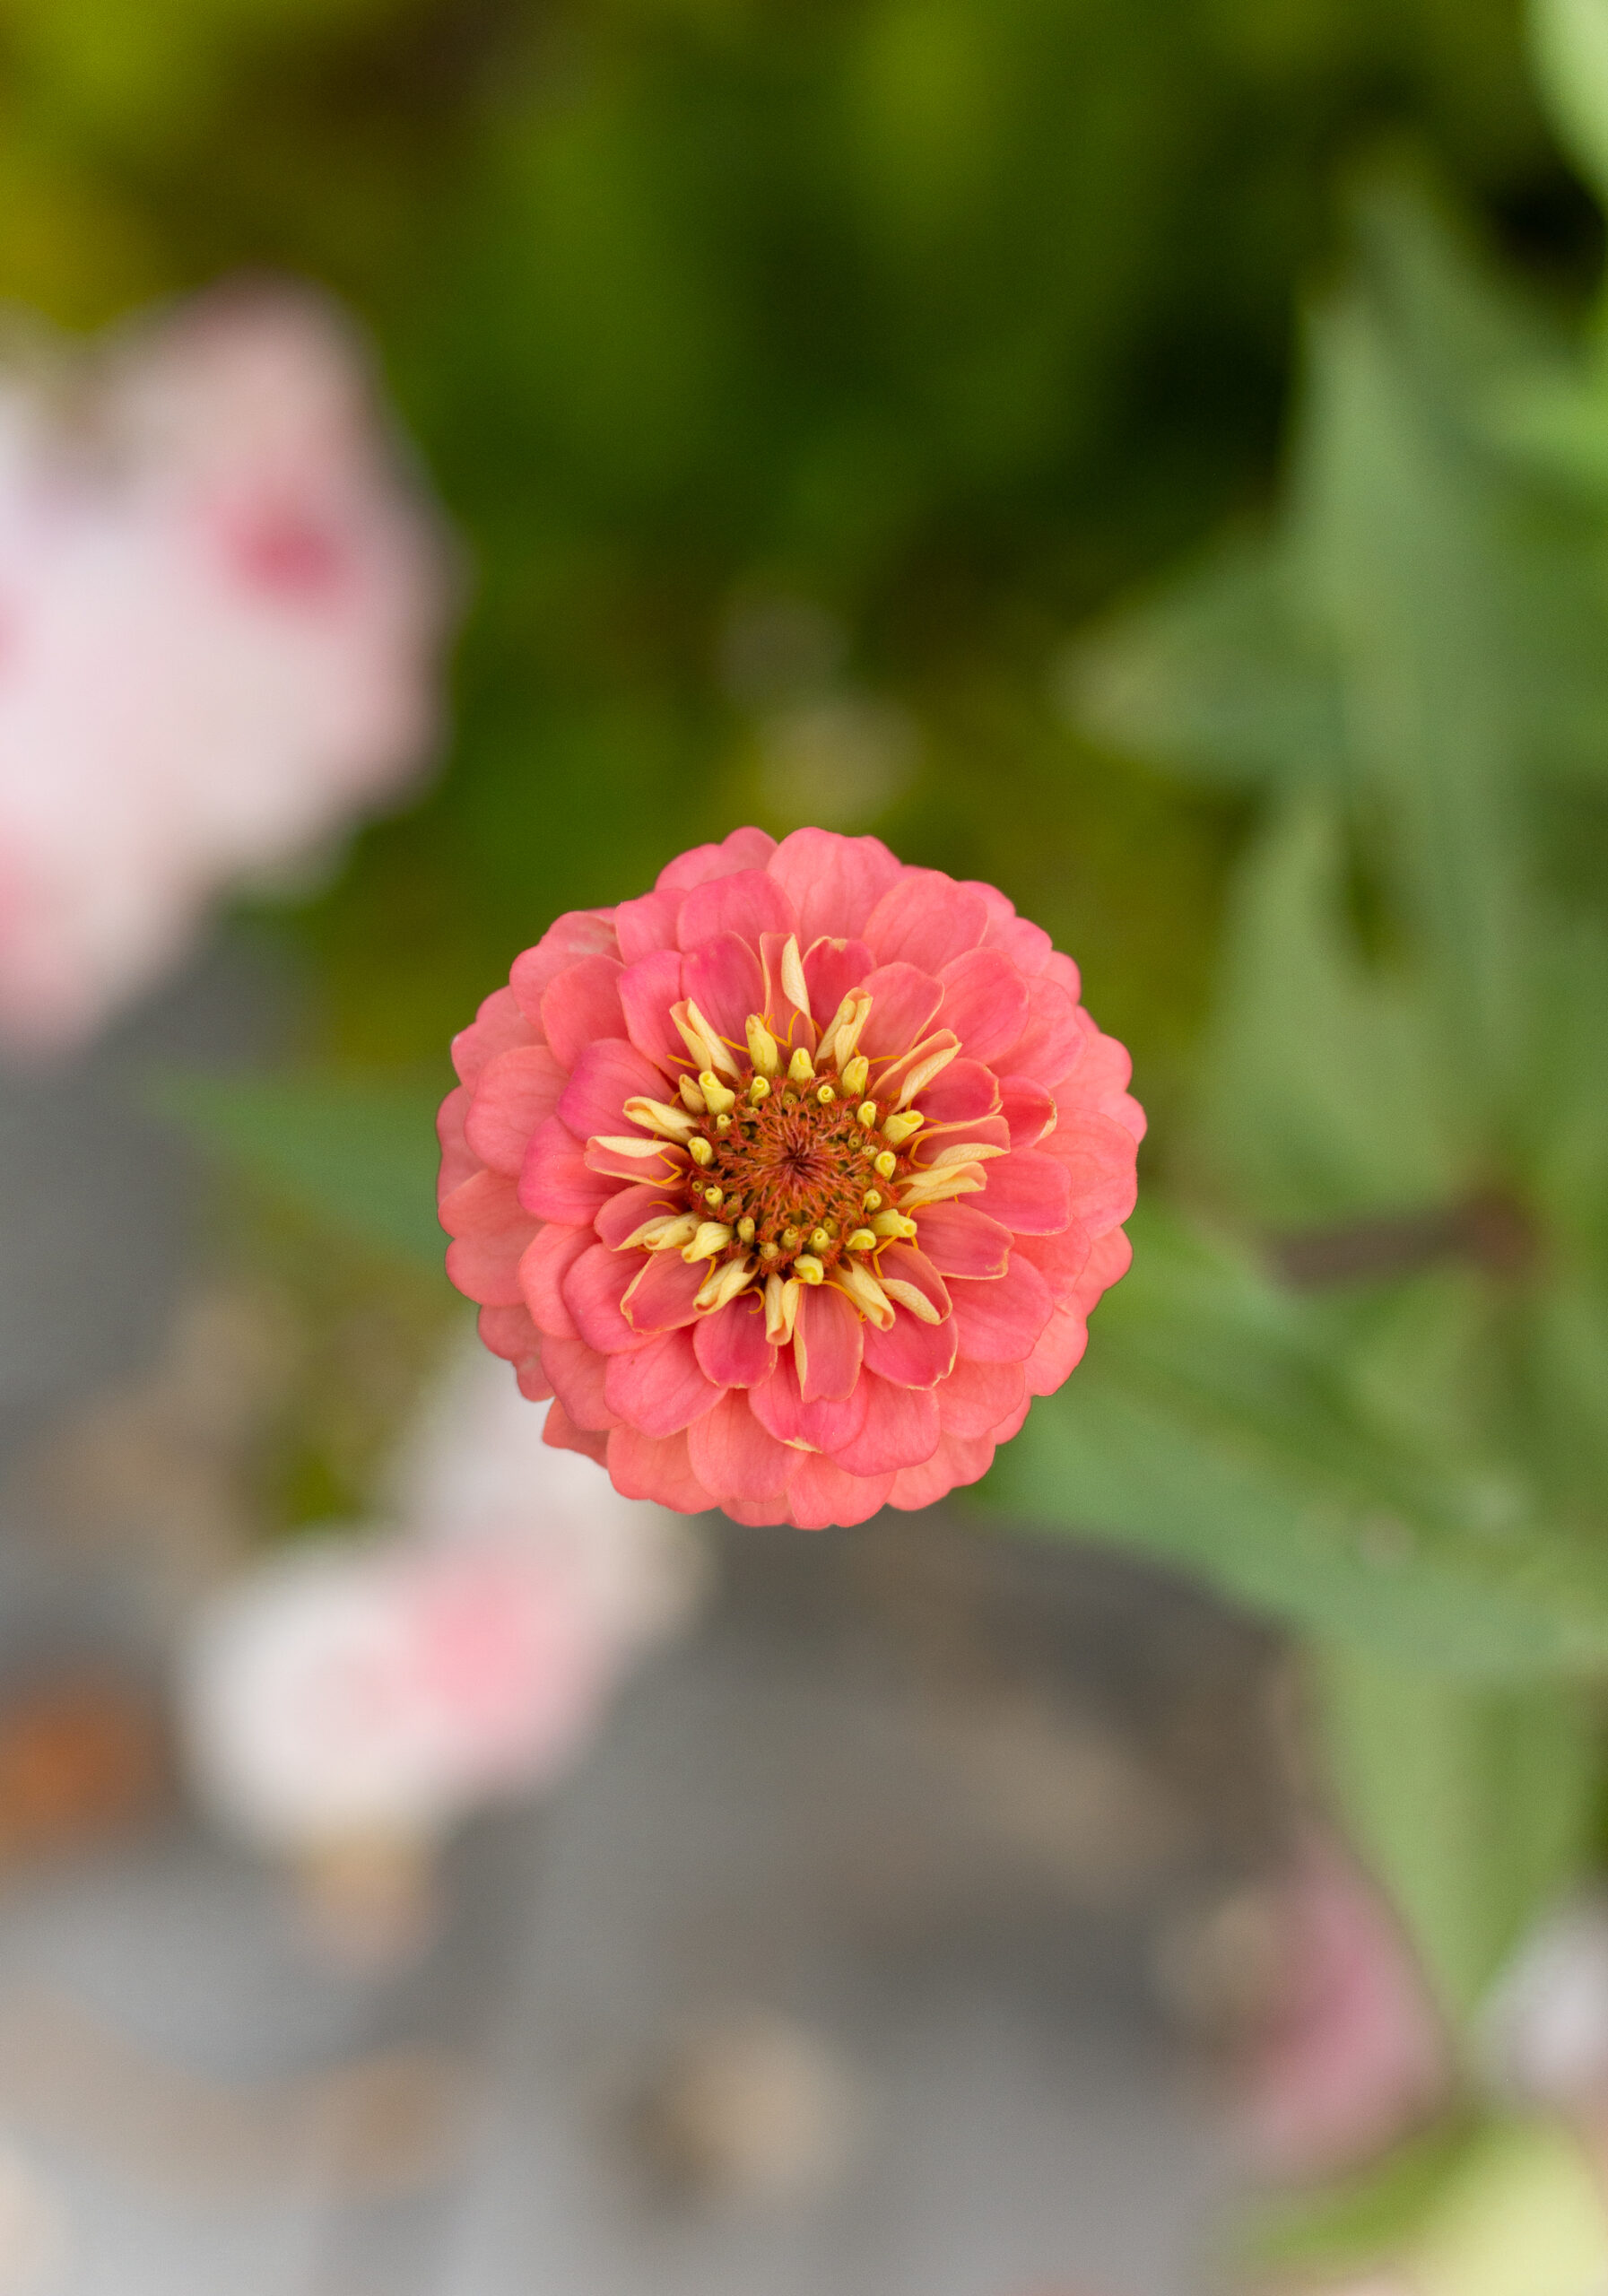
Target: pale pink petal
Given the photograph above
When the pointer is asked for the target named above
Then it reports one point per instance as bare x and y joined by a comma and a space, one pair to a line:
834, 882
748, 904
1058, 1351
554, 1183
644, 926
662, 1292
581, 1004
623, 1215
1000, 1322
546, 1261
559, 1430
985, 1002
904, 1003
907, 1263
1099, 1156
954, 1463
986, 1131
822, 1493
580, 934
490, 1231
592, 1287
733, 1457
1051, 1039
647, 990
962, 1094
661, 1388
643, 1467
831, 969
779, 1406
901, 1428
459, 1162
890, 1074
745, 848
1028, 1109
925, 919
960, 1240
498, 1027
791, 1024
606, 1075
732, 1345
722, 979
1030, 1192
576, 1373
1028, 948
911, 1353
516, 1092
980, 1397
826, 1343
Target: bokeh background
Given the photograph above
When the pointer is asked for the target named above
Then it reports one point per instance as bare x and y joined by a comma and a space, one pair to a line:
1152, 456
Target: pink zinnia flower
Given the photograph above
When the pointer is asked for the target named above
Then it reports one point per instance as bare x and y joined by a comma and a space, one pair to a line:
794, 1180
222, 599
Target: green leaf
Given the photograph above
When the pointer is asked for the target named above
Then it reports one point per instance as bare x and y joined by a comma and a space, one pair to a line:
1569, 40
356, 1152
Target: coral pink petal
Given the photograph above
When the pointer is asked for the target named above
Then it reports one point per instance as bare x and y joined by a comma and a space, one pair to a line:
1099, 1157
641, 1466
1031, 950
1050, 1041
662, 1292
907, 1263
732, 1345
985, 1002
723, 977
490, 1233
1030, 1192
547, 1260
509, 1333
745, 848
980, 1398
962, 1094
822, 1493
576, 1373
514, 1093
592, 1287
926, 920
955, 1463
1058, 1352
1028, 1109
498, 1027
1000, 1321
661, 1388
559, 1430
579, 935
644, 926
827, 1343
960, 1240
911, 1353
901, 1430
831, 969
581, 1004
1110, 1256
1059, 1259
623, 1215
1057, 964
459, 1162
748, 904
904, 1003
555, 1183
734, 1457
834, 882
779, 1407
647, 990
606, 1075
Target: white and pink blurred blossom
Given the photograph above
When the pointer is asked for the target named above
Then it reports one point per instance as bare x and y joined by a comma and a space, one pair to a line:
222, 601
377, 1685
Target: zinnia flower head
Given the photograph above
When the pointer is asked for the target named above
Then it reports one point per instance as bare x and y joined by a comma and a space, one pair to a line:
222, 602
794, 1180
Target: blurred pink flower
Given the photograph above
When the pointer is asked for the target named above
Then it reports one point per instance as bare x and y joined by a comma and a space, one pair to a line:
794, 1180
1356, 2051
220, 609
378, 1686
